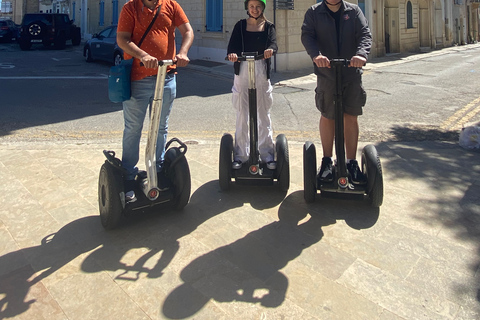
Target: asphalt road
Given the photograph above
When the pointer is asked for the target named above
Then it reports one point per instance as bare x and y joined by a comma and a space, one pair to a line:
55, 94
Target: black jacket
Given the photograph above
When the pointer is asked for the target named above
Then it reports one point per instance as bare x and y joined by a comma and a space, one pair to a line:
319, 35
236, 43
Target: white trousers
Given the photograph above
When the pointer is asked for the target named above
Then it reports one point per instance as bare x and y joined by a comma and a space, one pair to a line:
264, 105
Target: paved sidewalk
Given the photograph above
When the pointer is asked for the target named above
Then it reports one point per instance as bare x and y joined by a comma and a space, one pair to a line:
251, 253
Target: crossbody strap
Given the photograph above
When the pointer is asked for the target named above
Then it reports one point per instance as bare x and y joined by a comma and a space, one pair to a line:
150, 26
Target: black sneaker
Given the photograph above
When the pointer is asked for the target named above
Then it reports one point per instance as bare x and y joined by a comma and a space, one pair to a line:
326, 170
356, 175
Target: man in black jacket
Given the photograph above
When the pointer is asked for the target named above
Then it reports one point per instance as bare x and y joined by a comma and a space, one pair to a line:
338, 29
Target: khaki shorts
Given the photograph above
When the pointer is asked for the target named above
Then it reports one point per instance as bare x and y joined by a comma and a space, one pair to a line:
354, 97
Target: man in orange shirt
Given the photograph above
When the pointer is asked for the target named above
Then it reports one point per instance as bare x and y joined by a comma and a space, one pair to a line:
159, 44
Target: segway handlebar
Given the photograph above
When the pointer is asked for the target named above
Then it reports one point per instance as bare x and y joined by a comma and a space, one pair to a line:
162, 63
245, 55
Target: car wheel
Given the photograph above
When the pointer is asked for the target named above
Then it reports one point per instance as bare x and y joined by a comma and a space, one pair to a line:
25, 44
117, 58
76, 37
372, 168
283, 162
88, 54
36, 28
309, 172
60, 42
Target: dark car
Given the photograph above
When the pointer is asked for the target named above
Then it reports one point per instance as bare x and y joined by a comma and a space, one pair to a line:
8, 30
103, 46
48, 29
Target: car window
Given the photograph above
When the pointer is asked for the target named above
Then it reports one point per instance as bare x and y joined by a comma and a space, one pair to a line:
105, 33
114, 32
3, 23
45, 18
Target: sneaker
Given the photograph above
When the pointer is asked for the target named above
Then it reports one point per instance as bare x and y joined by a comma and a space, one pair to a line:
326, 171
356, 175
272, 165
163, 182
129, 186
237, 164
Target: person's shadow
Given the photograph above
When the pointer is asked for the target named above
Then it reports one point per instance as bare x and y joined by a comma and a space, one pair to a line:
248, 270
162, 232
20, 268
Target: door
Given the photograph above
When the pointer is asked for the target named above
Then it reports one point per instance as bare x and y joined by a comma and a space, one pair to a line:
392, 33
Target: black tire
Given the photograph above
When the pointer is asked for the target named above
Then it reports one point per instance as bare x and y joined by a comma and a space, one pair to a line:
283, 162
36, 29
225, 162
88, 54
117, 58
110, 193
372, 168
309, 172
24, 44
180, 176
76, 37
60, 42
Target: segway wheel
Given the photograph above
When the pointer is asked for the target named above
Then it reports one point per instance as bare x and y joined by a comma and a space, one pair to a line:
372, 168
110, 195
309, 172
180, 177
225, 162
283, 162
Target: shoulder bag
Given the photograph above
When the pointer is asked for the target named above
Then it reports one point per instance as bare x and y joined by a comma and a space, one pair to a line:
119, 83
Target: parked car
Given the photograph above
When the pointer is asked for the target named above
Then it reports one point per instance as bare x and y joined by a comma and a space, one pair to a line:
48, 28
8, 30
103, 46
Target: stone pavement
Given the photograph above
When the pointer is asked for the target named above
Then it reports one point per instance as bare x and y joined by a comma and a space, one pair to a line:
249, 253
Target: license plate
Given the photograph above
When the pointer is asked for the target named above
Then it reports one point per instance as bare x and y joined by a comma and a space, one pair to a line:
37, 40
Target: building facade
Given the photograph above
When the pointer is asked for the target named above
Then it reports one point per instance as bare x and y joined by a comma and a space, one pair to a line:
397, 25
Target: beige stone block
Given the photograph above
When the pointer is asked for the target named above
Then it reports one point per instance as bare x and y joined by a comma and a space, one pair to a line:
396, 295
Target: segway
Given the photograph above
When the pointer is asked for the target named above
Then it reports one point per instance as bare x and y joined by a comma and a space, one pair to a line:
253, 172
175, 173
340, 184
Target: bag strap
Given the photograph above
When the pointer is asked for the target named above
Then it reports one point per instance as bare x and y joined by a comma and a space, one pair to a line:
150, 26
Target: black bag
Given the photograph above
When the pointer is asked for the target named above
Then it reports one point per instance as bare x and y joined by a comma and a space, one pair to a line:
119, 83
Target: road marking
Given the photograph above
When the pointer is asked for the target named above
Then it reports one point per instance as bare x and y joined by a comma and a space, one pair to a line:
459, 118
103, 76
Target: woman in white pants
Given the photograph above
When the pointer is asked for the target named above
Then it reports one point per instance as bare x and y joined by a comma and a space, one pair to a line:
254, 34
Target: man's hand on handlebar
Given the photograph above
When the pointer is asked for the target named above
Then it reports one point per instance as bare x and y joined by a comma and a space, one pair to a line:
357, 62
149, 61
181, 60
321, 61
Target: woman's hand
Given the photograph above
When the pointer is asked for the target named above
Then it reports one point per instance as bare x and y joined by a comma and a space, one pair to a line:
268, 53
232, 57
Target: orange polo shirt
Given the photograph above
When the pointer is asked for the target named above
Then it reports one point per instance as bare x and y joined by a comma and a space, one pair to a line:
160, 40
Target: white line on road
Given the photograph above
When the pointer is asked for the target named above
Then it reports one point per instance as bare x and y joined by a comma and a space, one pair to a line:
54, 77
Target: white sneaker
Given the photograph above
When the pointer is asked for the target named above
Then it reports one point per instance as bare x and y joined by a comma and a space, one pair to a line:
237, 164
130, 196
272, 165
